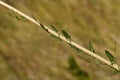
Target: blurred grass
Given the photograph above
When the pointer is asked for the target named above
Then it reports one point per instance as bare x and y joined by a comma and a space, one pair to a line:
29, 53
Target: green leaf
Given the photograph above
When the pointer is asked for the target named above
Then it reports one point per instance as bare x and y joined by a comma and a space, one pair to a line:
53, 28
34, 18
111, 57
56, 37
24, 19
67, 36
116, 71
17, 17
73, 64
91, 47
97, 62
11, 15
75, 48
39, 23
43, 27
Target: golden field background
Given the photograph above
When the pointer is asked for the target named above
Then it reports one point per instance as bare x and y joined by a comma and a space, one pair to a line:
29, 53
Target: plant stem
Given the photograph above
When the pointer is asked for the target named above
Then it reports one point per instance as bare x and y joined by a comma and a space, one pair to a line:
115, 66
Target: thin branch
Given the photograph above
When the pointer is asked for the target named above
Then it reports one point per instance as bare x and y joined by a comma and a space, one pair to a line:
115, 66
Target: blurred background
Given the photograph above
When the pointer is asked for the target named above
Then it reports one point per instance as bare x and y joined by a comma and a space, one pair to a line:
29, 53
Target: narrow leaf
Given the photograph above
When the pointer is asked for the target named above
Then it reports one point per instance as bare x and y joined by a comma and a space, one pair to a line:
17, 17
40, 23
111, 57
116, 71
75, 48
34, 18
97, 62
91, 47
11, 15
53, 28
67, 36
43, 27
73, 64
56, 37
24, 19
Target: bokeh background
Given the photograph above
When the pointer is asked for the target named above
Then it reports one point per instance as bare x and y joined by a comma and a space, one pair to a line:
29, 53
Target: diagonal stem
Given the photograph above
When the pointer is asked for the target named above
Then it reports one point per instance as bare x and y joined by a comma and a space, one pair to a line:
115, 66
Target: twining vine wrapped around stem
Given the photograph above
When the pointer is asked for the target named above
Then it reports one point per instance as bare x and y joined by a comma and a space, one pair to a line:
67, 38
